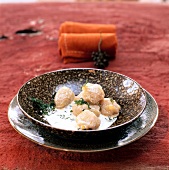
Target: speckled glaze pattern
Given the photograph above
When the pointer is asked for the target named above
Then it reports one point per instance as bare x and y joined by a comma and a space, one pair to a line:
125, 135
124, 90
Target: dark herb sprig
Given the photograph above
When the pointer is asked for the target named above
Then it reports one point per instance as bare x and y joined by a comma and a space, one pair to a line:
81, 102
40, 107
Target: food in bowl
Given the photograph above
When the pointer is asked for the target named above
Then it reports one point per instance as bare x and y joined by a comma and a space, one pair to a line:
92, 93
92, 111
63, 97
125, 91
86, 110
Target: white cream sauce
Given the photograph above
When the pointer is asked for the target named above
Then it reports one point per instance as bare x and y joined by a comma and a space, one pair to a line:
64, 119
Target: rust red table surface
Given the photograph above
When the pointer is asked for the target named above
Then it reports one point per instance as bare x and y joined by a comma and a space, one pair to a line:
143, 54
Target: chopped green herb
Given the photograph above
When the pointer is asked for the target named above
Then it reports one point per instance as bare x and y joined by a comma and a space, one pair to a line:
40, 107
81, 102
109, 118
85, 83
111, 100
62, 116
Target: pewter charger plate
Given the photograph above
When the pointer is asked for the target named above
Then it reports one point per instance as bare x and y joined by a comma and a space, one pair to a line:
125, 136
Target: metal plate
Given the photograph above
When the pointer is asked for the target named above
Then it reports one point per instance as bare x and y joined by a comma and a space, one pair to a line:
127, 134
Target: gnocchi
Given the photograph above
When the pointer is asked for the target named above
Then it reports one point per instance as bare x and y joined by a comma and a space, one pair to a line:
87, 120
63, 97
109, 107
89, 107
92, 93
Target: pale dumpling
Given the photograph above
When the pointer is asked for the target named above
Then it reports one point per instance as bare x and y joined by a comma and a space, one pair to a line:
79, 96
109, 107
87, 120
92, 93
63, 97
77, 109
95, 109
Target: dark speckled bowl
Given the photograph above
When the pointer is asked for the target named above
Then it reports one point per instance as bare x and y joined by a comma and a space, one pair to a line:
128, 93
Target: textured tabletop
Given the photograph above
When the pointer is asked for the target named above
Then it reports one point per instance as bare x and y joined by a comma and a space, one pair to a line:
142, 54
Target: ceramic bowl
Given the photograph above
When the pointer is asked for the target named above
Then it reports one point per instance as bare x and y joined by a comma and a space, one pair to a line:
127, 92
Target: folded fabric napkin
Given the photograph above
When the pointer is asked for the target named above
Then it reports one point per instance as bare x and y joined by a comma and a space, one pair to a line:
79, 47
77, 41
76, 27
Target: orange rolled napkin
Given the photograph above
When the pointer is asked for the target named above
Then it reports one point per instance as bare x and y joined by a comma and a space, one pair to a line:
79, 47
76, 27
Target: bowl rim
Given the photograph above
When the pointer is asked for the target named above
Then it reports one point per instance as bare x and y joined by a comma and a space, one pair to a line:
81, 131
